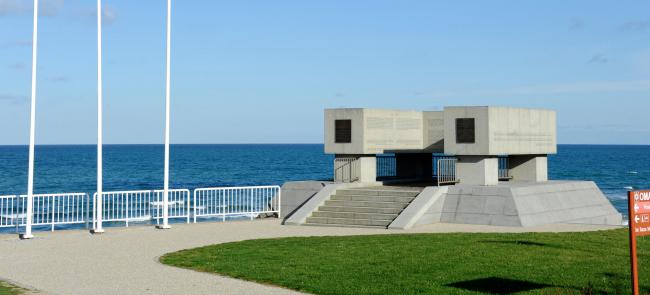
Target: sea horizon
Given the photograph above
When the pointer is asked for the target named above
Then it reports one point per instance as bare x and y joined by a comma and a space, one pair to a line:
263, 143
616, 169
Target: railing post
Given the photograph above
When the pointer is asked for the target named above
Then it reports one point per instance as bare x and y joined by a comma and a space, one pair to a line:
224, 206
195, 205
52, 209
126, 208
188, 205
280, 202
252, 194
438, 172
87, 209
350, 168
158, 205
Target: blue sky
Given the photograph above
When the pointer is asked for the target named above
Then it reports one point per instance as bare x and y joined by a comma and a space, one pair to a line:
262, 71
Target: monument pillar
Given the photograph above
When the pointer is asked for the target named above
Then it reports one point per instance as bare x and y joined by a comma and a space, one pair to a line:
529, 168
477, 170
368, 168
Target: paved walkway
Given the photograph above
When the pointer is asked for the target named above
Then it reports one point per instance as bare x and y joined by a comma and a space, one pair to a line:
125, 260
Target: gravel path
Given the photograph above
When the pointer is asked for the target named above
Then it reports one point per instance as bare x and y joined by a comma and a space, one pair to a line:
125, 260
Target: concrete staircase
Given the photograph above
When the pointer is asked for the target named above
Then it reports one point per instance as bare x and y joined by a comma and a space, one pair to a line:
362, 207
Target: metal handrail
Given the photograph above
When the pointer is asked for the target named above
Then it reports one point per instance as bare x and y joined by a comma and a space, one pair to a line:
348, 164
244, 201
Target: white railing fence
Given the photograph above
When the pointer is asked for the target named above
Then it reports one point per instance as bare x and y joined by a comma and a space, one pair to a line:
10, 212
446, 171
346, 169
125, 206
142, 206
178, 203
237, 201
49, 209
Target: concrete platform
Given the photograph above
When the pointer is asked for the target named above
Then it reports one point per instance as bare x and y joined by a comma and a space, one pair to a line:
524, 204
125, 260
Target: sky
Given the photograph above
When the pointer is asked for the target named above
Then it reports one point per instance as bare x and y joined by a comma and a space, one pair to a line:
263, 71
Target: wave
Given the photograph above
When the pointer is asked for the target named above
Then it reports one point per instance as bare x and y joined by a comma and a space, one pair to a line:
632, 172
629, 188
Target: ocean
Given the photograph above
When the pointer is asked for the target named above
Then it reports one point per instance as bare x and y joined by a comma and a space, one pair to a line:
72, 168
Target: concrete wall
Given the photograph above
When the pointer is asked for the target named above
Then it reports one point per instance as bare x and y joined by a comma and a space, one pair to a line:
356, 146
477, 170
516, 131
481, 145
377, 131
499, 131
368, 169
503, 131
296, 193
529, 168
434, 132
387, 130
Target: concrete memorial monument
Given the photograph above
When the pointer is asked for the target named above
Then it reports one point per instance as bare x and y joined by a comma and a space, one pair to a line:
496, 158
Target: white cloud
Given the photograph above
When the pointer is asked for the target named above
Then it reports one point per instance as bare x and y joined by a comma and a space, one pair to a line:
598, 59
109, 14
18, 43
636, 26
14, 99
46, 7
12, 7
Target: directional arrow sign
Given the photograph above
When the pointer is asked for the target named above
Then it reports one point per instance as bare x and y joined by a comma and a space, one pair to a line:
640, 208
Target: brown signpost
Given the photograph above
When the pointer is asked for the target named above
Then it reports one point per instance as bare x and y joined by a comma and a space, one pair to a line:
639, 222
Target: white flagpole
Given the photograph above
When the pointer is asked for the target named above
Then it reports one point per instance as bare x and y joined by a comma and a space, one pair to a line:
98, 204
32, 128
165, 224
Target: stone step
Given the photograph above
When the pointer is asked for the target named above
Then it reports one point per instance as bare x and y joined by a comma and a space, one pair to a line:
370, 192
372, 198
354, 215
348, 221
360, 209
345, 225
397, 205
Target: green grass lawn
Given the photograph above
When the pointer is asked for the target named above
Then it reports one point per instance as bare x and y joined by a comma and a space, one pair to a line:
8, 289
548, 263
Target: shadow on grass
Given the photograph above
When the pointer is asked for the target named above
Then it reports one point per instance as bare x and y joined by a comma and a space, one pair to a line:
529, 243
495, 285
523, 243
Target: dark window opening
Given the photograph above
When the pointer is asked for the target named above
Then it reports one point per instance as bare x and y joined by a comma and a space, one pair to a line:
343, 131
465, 130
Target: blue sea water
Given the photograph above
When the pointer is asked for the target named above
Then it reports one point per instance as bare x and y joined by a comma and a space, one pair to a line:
72, 168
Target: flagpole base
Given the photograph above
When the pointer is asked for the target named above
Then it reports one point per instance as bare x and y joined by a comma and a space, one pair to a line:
26, 236
97, 231
162, 226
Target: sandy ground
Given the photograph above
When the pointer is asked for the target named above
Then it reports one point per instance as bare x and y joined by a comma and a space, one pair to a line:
125, 260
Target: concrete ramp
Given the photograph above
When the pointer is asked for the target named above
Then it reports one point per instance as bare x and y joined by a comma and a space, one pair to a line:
524, 205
